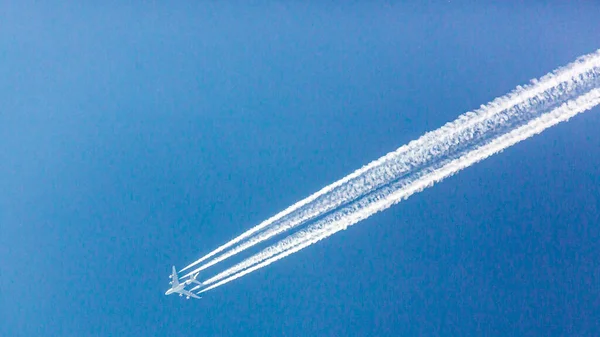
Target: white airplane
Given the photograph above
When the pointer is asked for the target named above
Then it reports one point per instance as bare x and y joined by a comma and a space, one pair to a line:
179, 288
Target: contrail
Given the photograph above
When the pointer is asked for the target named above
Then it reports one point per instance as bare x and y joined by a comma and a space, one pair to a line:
472, 137
410, 157
406, 159
372, 204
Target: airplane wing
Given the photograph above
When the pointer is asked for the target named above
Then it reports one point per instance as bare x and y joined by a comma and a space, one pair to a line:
174, 278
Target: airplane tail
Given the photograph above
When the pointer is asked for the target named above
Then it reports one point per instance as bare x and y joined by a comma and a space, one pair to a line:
193, 279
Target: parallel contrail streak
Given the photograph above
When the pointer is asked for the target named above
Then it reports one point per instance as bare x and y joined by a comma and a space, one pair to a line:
384, 199
522, 113
415, 155
394, 165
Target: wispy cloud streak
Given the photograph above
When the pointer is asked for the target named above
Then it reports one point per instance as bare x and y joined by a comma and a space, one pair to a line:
470, 138
387, 197
406, 159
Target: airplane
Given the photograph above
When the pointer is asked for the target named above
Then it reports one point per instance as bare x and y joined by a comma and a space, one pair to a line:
179, 288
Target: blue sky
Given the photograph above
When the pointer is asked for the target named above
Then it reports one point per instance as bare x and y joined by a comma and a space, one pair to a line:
138, 136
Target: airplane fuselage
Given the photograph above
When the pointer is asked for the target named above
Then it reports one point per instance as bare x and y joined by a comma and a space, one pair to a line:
179, 288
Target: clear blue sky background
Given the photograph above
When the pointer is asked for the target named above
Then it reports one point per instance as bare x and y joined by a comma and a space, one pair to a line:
134, 137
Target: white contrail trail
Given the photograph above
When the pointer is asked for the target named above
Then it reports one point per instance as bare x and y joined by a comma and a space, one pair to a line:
473, 130
384, 199
466, 129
